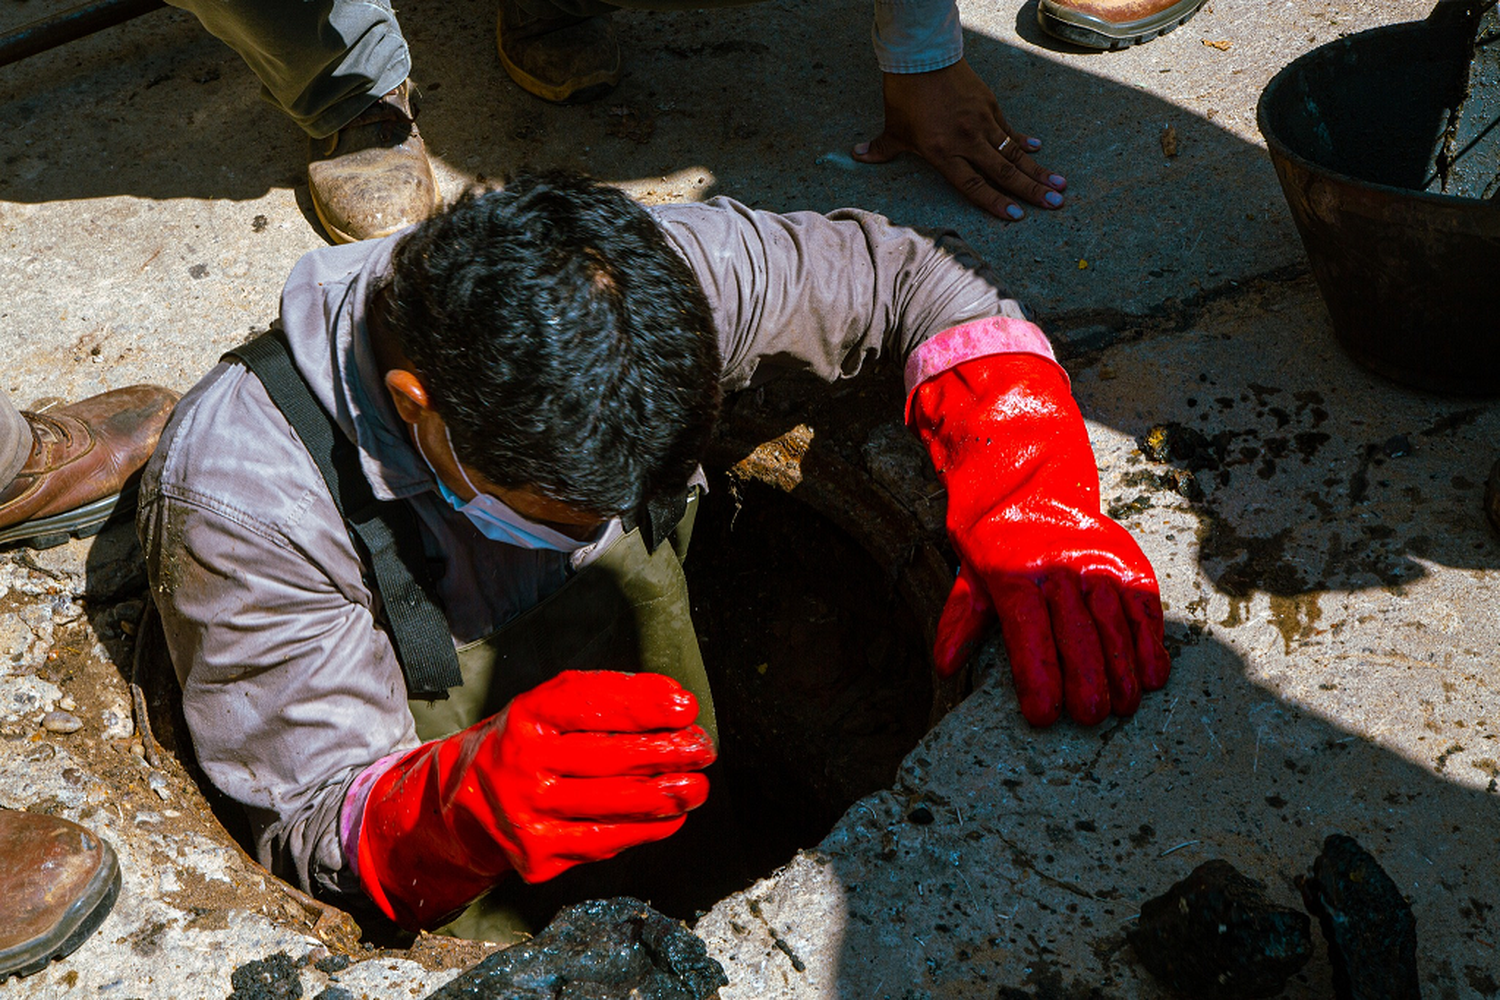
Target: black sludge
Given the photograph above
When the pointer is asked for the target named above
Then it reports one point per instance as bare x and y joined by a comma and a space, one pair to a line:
600, 948
1216, 936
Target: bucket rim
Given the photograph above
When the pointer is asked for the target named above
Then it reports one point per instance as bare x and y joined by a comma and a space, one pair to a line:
1278, 147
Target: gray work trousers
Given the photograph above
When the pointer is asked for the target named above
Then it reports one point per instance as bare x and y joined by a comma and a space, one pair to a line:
325, 61
15, 441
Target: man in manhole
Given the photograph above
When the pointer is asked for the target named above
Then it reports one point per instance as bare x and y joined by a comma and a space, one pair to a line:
416, 551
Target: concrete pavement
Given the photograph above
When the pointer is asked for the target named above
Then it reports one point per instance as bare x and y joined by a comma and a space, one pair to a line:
1333, 600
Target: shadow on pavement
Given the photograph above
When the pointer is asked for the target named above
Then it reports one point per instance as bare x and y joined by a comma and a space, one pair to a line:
1007, 862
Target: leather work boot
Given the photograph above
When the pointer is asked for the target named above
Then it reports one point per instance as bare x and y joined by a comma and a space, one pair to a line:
59, 882
1112, 24
563, 59
85, 460
372, 177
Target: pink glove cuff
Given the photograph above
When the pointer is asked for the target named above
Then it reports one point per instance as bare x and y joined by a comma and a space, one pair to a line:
352, 813
977, 339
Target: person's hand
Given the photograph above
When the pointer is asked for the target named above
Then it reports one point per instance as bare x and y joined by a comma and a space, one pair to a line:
591, 763
950, 118
575, 770
1076, 598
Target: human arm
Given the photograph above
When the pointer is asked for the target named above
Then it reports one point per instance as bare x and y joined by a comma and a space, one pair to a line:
1076, 599
937, 107
575, 770
823, 293
289, 687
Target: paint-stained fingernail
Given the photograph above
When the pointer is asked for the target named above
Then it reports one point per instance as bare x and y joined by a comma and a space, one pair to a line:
1057, 180
1033, 143
1014, 211
1053, 199
861, 149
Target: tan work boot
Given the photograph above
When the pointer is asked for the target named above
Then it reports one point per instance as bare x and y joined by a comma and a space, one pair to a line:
563, 59
372, 177
59, 882
85, 459
1112, 24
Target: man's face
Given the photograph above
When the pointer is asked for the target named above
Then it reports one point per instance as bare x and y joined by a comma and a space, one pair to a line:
424, 423
533, 505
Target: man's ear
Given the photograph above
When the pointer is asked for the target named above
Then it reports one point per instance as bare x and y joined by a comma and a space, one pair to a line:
408, 393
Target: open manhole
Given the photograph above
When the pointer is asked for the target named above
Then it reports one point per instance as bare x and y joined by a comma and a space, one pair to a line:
814, 593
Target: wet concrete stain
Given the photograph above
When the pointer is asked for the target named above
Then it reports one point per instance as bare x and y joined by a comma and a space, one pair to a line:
1296, 618
146, 941
1286, 564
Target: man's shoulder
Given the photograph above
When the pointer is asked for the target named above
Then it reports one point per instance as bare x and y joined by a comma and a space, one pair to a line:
230, 450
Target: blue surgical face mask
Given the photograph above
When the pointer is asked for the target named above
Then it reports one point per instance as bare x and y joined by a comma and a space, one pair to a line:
494, 519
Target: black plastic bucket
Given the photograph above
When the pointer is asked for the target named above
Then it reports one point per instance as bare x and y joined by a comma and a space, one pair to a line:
1411, 279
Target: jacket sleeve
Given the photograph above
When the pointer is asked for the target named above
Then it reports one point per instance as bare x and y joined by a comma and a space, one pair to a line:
917, 36
289, 687
824, 293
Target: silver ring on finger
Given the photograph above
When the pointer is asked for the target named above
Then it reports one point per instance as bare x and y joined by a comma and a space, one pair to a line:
1003, 143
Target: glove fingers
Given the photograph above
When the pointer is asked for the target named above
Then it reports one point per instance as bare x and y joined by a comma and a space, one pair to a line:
1117, 642
605, 755
1143, 608
967, 614
1085, 690
571, 844
1032, 651
621, 800
608, 701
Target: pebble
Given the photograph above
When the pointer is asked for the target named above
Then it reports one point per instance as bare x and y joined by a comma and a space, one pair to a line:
61, 722
118, 724
66, 703
158, 783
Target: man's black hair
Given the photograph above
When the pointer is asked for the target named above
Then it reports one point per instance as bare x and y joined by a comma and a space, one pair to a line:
564, 342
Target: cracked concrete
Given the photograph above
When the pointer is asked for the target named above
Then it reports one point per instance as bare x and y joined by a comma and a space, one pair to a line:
1332, 590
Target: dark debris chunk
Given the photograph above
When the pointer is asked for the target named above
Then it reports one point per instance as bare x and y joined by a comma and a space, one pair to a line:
271, 978
601, 948
1370, 929
1182, 445
1216, 936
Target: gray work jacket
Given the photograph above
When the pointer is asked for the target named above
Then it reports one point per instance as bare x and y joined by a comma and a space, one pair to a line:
290, 685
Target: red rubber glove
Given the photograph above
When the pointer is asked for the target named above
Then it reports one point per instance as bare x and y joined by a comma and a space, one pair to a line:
577, 769
1076, 598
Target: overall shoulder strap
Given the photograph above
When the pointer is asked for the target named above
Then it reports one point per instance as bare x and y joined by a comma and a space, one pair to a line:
386, 528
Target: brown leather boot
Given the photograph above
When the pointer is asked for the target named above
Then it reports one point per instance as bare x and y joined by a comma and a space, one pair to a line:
1112, 24
59, 882
85, 460
563, 59
372, 177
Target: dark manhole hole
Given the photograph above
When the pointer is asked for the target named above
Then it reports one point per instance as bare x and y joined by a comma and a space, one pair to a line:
819, 670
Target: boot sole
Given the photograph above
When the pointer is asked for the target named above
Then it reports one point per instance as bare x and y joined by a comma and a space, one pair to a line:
80, 522
339, 236
581, 91
1095, 33
81, 920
